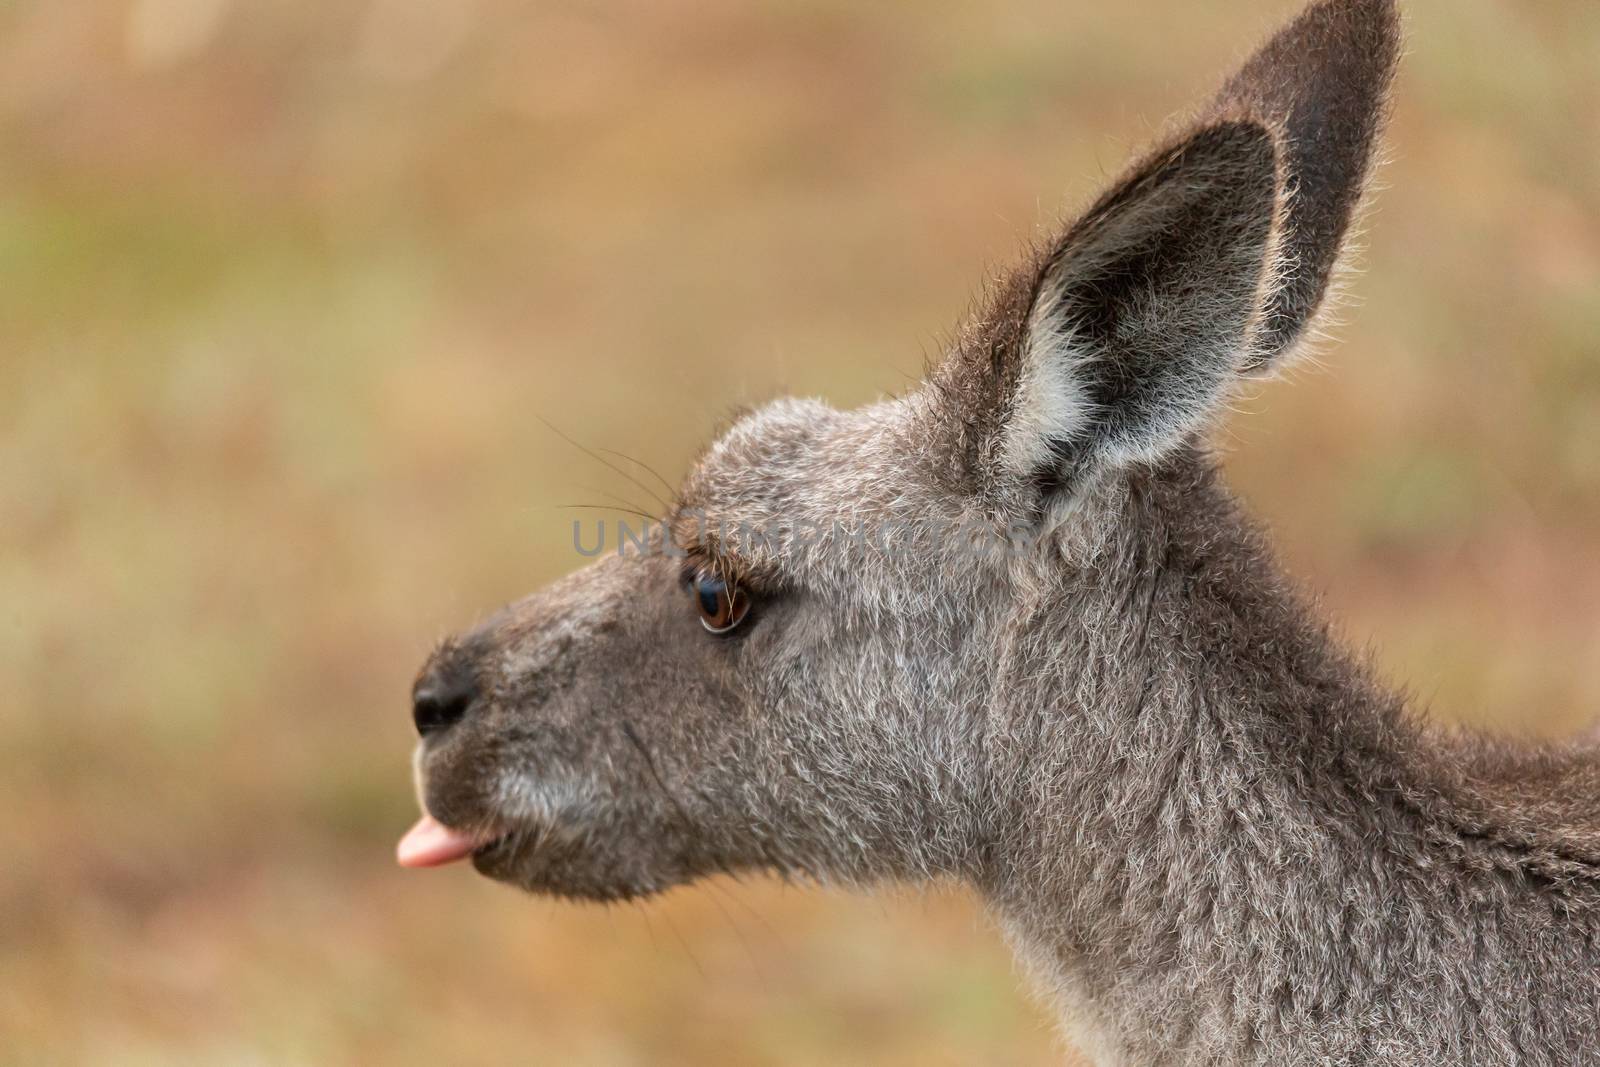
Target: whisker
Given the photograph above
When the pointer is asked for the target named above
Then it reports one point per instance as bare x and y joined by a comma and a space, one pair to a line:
650, 764
598, 458
650, 928
623, 500
672, 490
613, 507
685, 943
749, 908
715, 893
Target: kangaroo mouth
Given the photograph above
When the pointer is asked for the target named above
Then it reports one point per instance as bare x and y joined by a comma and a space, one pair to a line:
430, 843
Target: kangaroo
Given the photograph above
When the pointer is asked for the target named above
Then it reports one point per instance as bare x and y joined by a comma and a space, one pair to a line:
1010, 630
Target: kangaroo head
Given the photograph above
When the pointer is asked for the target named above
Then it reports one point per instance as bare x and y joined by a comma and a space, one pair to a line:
816, 663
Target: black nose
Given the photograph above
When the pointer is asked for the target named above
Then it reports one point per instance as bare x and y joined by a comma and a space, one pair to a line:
441, 698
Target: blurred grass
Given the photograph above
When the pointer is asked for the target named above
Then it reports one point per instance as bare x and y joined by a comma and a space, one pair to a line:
284, 290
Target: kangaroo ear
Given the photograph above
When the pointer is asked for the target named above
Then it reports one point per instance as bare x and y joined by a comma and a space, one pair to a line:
1208, 261
1323, 84
1142, 315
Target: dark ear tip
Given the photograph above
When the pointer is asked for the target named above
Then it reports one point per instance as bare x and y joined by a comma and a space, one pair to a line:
1322, 84
1374, 23
1370, 29
1346, 46
1373, 14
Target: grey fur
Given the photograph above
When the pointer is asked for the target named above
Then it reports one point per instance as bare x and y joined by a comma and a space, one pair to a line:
1210, 835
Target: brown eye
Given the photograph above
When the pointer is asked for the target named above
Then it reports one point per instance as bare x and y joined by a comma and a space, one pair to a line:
722, 606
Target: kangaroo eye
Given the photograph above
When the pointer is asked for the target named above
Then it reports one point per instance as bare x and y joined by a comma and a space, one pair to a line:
722, 606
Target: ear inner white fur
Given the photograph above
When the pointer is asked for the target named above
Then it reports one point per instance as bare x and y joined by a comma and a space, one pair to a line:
1145, 311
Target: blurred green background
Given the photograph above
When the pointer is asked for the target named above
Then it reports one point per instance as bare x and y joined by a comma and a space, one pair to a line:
286, 288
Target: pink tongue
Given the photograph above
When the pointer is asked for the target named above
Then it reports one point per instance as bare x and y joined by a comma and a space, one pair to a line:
430, 843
